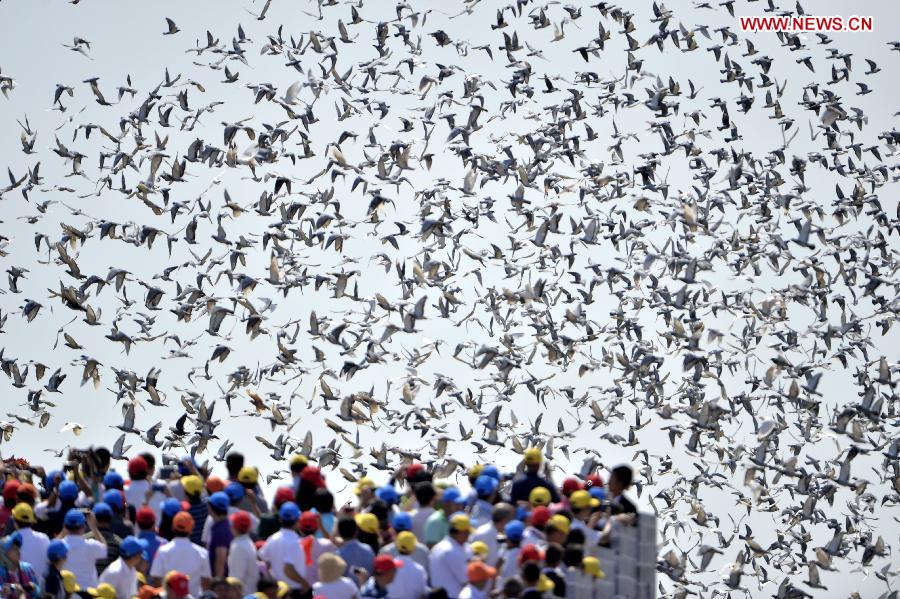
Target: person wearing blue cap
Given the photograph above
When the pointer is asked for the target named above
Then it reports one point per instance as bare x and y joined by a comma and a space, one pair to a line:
113, 480
115, 499
235, 492
352, 551
103, 514
437, 526
485, 489
220, 535
57, 552
282, 550
168, 509
122, 573
84, 553
15, 571
508, 563
403, 522
388, 494
63, 497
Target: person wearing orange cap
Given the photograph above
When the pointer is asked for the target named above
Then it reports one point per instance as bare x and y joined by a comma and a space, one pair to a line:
183, 555
480, 576
178, 585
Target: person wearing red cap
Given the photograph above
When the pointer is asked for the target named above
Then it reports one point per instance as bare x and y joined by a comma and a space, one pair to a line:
530, 553
145, 520
178, 585
537, 521
569, 485
242, 562
141, 492
10, 491
480, 576
376, 587
181, 554
312, 546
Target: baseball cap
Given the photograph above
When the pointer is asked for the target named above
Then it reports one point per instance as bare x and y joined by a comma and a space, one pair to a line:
247, 475
24, 513
171, 506
581, 499
241, 522
113, 480
570, 484
540, 515
309, 521
591, 565
363, 483
451, 495
475, 470
183, 522
485, 485
387, 494
52, 479
145, 517
178, 582
414, 470
74, 519
70, 581
460, 521
598, 493
401, 521
386, 563
132, 546
183, 470
27, 489
103, 590
288, 512
236, 492
137, 467
593, 480
219, 502
530, 553
514, 530
283, 495
478, 571
68, 490
539, 496
214, 484
10, 490
101, 509
480, 549
114, 499
57, 549
192, 484
544, 584
12, 539
298, 459
367, 522
560, 523
314, 475
492, 471
533, 455
406, 542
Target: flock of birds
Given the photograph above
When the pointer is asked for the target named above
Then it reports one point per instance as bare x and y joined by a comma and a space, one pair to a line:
585, 240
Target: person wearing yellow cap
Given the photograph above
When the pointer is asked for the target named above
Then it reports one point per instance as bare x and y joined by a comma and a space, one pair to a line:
450, 557
34, 544
531, 478
557, 529
584, 515
70, 582
103, 591
297, 463
411, 581
479, 549
539, 496
591, 565
365, 492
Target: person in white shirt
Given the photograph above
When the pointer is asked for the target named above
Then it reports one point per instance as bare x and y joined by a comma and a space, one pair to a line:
83, 553
480, 576
34, 544
122, 573
242, 562
489, 532
182, 555
425, 496
282, 550
450, 557
411, 581
332, 583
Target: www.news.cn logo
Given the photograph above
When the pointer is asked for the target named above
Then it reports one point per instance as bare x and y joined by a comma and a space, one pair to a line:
806, 23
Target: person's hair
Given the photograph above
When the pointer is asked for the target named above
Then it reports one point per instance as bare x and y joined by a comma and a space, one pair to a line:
103, 457
624, 475
323, 501
501, 512
576, 537
425, 493
370, 539
103, 518
513, 587
151, 461
214, 510
347, 528
306, 495
218, 581
380, 509
438, 593
573, 555
531, 572
234, 461
265, 583
553, 555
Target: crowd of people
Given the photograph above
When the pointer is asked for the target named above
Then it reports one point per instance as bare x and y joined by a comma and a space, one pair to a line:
179, 531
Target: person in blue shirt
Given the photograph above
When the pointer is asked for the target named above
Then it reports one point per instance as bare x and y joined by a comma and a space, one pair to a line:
18, 578
354, 553
532, 478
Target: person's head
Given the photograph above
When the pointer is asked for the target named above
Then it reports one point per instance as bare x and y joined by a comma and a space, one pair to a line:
406, 542
331, 567
451, 500
417, 473
530, 572
298, 463
388, 494
576, 536
103, 459
539, 496
365, 490
23, 514
113, 480
539, 517
27, 494
68, 492
214, 484
401, 521
501, 515
367, 523
533, 459
569, 485
138, 468
513, 532
218, 505
480, 574
385, 569
425, 494
193, 487
438, 593
288, 514
346, 528
582, 503
235, 588
74, 521
132, 549
150, 461
145, 519
241, 523
282, 496
620, 480
248, 476
591, 565
557, 529
572, 555
11, 491
103, 514
553, 555
70, 582
177, 584
234, 461
104, 590
313, 475
460, 527
512, 587
323, 501
115, 500
268, 587
57, 553
182, 524
11, 545
479, 549
309, 523
485, 487
530, 553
